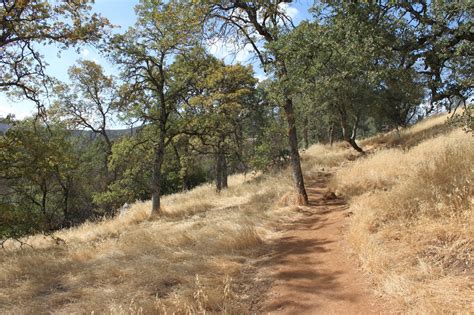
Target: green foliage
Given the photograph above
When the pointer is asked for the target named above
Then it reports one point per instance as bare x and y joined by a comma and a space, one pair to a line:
89, 101
271, 149
354, 69
130, 160
37, 167
344, 71
24, 24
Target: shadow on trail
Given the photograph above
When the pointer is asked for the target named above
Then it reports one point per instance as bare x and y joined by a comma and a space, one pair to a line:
296, 264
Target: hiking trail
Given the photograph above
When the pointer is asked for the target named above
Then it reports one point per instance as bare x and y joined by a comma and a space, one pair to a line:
310, 269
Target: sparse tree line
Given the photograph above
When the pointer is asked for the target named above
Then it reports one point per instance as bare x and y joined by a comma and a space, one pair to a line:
353, 70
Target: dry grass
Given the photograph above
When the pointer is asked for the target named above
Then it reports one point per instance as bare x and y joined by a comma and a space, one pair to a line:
187, 261
412, 200
319, 156
413, 218
408, 137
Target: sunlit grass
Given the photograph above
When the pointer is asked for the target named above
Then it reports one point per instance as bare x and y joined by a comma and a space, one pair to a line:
412, 204
412, 219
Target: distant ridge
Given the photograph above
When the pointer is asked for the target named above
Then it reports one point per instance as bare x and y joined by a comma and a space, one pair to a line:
113, 133
4, 128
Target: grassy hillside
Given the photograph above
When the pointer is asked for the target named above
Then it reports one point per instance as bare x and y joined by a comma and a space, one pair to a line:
412, 206
185, 261
412, 203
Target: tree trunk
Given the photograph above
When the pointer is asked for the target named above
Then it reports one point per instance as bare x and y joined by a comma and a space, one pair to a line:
218, 166
345, 132
331, 134
294, 153
110, 177
239, 138
221, 171
160, 147
66, 221
185, 185
354, 145
44, 196
224, 171
182, 166
156, 175
305, 133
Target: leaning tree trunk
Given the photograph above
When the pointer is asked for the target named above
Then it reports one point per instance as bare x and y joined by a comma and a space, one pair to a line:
345, 132
294, 153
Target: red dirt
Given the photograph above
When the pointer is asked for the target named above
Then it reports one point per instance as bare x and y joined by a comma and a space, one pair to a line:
311, 270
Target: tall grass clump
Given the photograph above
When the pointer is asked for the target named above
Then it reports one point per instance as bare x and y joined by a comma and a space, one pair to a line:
412, 222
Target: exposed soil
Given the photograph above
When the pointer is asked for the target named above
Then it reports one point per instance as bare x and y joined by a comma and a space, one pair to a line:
310, 270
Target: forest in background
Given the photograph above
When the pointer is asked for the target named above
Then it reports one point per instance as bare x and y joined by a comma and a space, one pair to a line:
353, 70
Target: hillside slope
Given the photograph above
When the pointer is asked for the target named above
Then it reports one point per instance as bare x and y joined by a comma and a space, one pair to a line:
411, 205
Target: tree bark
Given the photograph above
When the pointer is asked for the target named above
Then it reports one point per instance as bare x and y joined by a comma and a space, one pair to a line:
221, 171
156, 176
294, 153
331, 134
44, 195
160, 146
218, 172
185, 185
224, 171
305, 133
66, 221
182, 166
345, 132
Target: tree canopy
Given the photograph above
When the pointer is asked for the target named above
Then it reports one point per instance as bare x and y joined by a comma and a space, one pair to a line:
349, 71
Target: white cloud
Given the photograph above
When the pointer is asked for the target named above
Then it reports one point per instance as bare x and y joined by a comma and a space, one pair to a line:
85, 52
230, 52
21, 109
290, 11
244, 54
261, 76
3, 112
19, 114
216, 48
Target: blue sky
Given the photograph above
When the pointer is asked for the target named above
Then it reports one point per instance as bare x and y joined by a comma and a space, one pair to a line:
121, 13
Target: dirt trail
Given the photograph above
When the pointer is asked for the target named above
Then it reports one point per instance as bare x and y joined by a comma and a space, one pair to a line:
311, 269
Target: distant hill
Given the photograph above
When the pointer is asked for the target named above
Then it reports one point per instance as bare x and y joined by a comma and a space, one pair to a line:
113, 133
4, 128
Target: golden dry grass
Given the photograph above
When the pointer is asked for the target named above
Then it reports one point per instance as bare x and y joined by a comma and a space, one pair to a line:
408, 137
413, 217
412, 204
320, 156
187, 261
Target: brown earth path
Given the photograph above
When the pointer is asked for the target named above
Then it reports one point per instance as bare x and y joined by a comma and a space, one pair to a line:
311, 269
